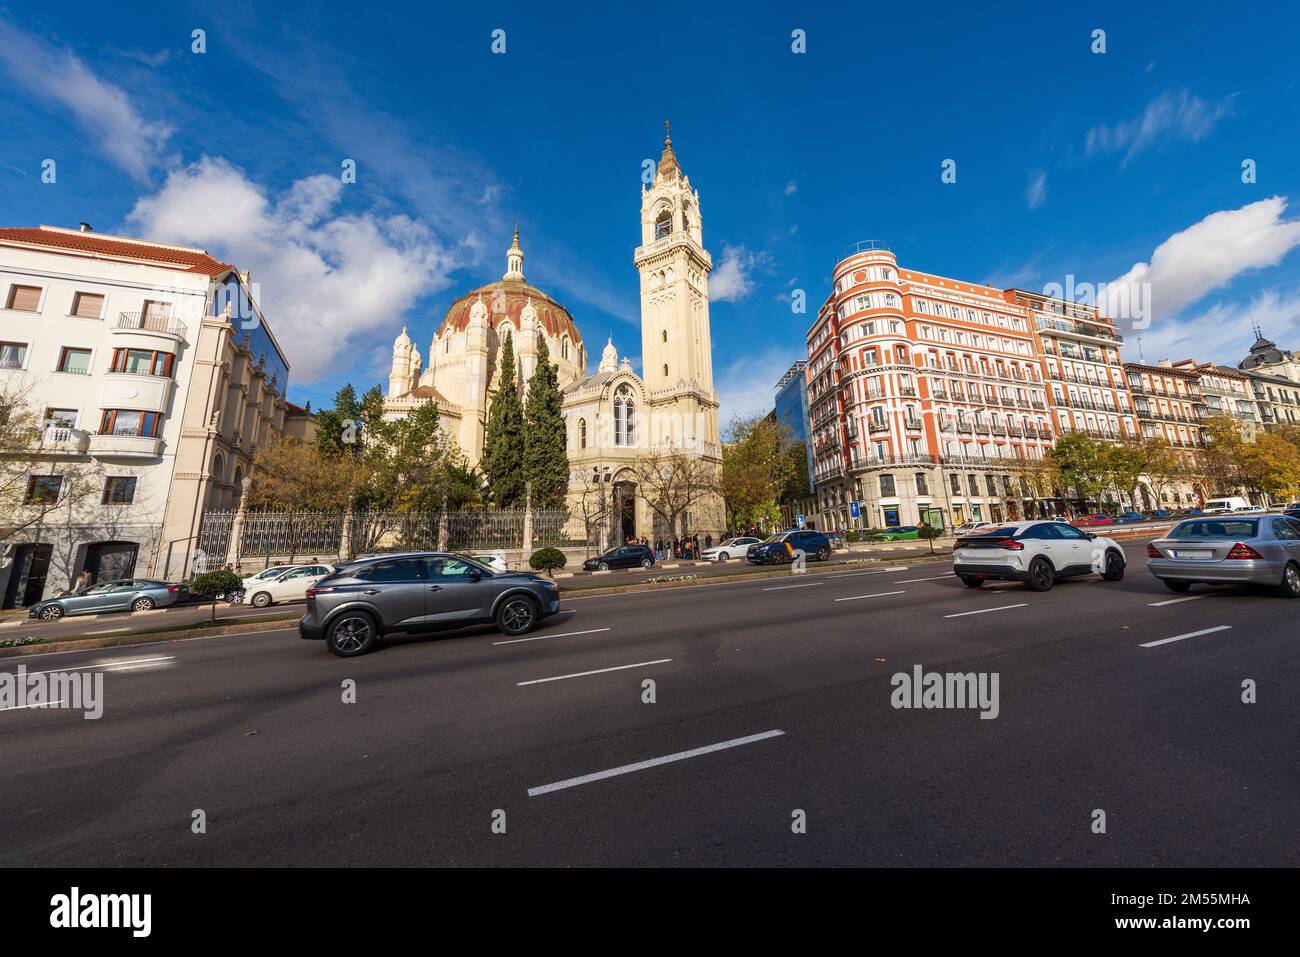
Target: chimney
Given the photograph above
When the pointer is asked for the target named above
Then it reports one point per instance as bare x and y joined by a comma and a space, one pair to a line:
86, 227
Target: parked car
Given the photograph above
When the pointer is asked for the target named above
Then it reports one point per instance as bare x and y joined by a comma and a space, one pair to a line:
275, 571
780, 548
493, 560
356, 606
1230, 550
624, 556
1087, 521
731, 548
1128, 518
1249, 510
1036, 553
289, 585
1157, 514
898, 533
1219, 506
126, 594
966, 528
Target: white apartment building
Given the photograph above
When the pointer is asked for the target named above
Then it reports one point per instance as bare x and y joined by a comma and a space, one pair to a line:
154, 376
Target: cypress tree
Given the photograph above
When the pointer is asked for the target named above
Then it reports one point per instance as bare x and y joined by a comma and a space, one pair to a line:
503, 439
546, 460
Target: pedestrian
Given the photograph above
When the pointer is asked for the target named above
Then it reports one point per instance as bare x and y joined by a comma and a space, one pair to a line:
659, 549
83, 581
695, 546
708, 540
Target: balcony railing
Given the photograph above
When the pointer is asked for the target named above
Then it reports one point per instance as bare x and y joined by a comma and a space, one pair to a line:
151, 322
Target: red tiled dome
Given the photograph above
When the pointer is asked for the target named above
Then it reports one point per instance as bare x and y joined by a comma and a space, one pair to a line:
505, 299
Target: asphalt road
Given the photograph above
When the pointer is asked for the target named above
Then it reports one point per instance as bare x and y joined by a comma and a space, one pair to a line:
445, 732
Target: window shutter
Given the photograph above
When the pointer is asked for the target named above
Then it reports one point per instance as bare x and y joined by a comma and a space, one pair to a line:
89, 305
25, 298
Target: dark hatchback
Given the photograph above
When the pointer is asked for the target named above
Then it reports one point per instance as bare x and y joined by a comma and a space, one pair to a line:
779, 549
427, 591
625, 556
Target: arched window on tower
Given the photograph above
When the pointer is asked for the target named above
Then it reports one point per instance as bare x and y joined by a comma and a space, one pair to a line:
665, 335
582, 433
665, 370
663, 224
686, 216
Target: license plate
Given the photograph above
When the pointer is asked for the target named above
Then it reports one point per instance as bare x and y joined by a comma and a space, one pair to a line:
1194, 554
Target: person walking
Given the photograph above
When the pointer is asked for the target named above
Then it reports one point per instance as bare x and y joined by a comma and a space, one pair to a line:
82, 582
695, 546
708, 540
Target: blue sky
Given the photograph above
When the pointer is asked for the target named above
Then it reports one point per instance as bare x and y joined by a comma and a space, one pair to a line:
1126, 164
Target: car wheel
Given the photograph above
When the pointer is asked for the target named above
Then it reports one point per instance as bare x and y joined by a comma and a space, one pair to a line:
352, 633
1041, 575
1174, 584
724, 557
1290, 587
646, 563
823, 553
517, 615
142, 604
972, 581
1114, 570
602, 566
260, 600
51, 613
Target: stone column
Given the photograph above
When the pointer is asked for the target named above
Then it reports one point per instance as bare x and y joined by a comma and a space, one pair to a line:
237, 526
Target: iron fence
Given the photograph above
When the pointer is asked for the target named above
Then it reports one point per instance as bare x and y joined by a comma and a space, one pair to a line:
293, 535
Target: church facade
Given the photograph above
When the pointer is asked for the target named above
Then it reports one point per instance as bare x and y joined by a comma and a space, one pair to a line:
616, 420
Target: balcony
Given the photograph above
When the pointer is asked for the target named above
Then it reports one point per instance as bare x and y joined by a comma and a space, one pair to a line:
60, 440
907, 390
148, 331
130, 390
912, 423
875, 426
108, 446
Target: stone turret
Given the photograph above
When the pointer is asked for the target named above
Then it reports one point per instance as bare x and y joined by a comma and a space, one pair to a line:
474, 413
399, 378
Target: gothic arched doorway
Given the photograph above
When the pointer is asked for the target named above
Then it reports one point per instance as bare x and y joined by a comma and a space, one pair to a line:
623, 512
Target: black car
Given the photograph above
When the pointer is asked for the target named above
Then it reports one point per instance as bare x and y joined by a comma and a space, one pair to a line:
426, 591
779, 549
624, 556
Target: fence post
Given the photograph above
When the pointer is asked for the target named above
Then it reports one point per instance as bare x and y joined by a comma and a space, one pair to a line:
528, 524
442, 525
237, 526
345, 539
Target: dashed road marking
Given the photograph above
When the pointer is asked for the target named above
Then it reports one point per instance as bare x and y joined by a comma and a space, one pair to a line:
983, 611
564, 634
1190, 634
1175, 601
598, 671
879, 594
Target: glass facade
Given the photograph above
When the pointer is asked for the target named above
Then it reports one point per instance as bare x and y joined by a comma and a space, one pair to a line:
792, 412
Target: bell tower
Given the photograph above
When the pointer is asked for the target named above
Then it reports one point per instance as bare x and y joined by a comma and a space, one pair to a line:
676, 347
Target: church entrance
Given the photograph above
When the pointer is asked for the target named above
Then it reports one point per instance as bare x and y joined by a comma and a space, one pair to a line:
624, 511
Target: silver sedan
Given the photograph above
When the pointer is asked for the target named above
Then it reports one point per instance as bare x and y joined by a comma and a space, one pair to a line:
1230, 550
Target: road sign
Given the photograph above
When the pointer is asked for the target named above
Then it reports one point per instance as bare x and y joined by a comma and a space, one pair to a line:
798, 519
855, 509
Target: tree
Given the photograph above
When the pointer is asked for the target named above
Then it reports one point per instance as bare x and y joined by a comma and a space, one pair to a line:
1123, 464
503, 441
214, 583
672, 481
1270, 467
547, 560
1081, 463
1163, 466
757, 468
291, 475
594, 502
1223, 445
546, 458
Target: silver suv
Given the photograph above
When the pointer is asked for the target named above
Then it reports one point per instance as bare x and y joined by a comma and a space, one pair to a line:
426, 591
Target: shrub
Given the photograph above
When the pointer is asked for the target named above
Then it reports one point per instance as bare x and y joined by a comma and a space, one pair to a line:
214, 583
547, 560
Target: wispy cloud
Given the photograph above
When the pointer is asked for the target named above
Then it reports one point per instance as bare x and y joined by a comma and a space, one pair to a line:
1036, 193
732, 279
747, 386
1169, 116
57, 75
1223, 333
1210, 254
791, 188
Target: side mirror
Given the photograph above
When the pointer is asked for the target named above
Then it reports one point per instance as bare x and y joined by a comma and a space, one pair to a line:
475, 576
1092, 535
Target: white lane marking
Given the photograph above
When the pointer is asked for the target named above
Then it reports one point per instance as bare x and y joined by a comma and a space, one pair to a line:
784, 587
1175, 601
652, 763
725, 584
1190, 634
565, 634
38, 704
879, 594
146, 644
981, 611
109, 665
936, 578
598, 671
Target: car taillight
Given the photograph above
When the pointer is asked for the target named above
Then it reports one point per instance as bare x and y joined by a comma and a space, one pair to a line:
313, 592
1011, 546
1153, 552
173, 589
1243, 551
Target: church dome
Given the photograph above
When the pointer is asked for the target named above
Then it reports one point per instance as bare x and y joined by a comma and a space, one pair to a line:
506, 299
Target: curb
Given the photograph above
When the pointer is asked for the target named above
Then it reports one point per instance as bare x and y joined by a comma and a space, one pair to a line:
145, 638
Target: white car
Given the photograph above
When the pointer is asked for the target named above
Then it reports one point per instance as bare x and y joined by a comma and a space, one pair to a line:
1249, 508
289, 585
967, 528
266, 575
493, 560
731, 548
1036, 553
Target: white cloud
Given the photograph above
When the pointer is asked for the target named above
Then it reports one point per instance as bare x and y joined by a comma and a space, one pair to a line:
1036, 194
332, 286
56, 75
731, 280
791, 188
1169, 116
747, 386
1208, 255
1223, 333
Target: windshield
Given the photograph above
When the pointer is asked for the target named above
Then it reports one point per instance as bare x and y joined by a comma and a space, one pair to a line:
1217, 528
778, 537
